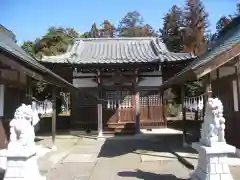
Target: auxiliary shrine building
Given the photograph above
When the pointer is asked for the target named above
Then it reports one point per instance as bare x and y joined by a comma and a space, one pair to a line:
118, 82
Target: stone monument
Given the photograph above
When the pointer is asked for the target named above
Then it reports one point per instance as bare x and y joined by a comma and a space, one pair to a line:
212, 148
21, 151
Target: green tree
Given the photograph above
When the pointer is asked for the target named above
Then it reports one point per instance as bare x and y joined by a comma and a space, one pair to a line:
171, 31
132, 25
194, 88
86, 35
28, 46
54, 42
195, 23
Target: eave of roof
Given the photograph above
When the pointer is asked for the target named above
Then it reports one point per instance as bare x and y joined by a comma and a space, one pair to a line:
117, 51
18, 54
224, 45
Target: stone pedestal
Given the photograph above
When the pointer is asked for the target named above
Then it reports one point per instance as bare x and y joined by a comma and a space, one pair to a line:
3, 161
212, 162
22, 164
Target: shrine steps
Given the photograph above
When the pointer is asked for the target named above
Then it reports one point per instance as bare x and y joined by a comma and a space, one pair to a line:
122, 127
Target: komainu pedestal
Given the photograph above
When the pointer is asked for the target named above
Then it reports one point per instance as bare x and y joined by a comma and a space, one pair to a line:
212, 162
21, 151
22, 165
212, 148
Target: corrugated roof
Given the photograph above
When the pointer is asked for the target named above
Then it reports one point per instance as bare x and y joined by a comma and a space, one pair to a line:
9, 46
223, 44
117, 50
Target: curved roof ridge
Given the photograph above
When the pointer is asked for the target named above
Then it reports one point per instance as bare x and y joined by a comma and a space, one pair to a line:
159, 46
64, 55
117, 38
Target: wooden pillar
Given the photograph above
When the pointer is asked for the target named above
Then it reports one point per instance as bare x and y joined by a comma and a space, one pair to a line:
208, 85
162, 104
217, 82
208, 91
74, 108
54, 117
99, 106
184, 124
237, 71
137, 105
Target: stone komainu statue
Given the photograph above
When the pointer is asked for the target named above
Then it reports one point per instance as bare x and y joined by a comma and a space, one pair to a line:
22, 126
213, 127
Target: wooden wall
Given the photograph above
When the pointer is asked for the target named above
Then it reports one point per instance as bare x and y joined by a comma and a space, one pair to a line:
13, 97
232, 117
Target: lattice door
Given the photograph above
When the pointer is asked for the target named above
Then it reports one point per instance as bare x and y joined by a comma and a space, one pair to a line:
118, 106
150, 106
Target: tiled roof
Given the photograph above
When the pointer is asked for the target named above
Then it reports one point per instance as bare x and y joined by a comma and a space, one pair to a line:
9, 46
117, 50
222, 45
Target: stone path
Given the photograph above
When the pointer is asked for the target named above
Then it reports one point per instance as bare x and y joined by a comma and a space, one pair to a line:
79, 163
48, 161
128, 158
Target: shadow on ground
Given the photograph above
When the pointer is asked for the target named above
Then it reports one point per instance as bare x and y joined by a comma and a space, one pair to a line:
168, 143
147, 175
155, 143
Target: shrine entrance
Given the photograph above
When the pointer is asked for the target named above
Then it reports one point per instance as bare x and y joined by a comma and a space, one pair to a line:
119, 109
118, 106
151, 109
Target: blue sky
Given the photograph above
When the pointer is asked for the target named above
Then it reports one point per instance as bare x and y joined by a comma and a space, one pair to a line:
30, 19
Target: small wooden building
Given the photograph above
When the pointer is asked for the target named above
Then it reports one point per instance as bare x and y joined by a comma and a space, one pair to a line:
19, 74
219, 68
118, 81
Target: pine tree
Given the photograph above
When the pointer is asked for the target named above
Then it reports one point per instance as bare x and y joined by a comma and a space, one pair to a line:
171, 31
195, 25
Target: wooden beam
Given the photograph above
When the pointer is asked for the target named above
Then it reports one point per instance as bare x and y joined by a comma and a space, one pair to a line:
54, 117
11, 83
17, 66
218, 61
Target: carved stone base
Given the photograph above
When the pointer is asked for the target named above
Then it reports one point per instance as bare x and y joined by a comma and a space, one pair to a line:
212, 164
22, 165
